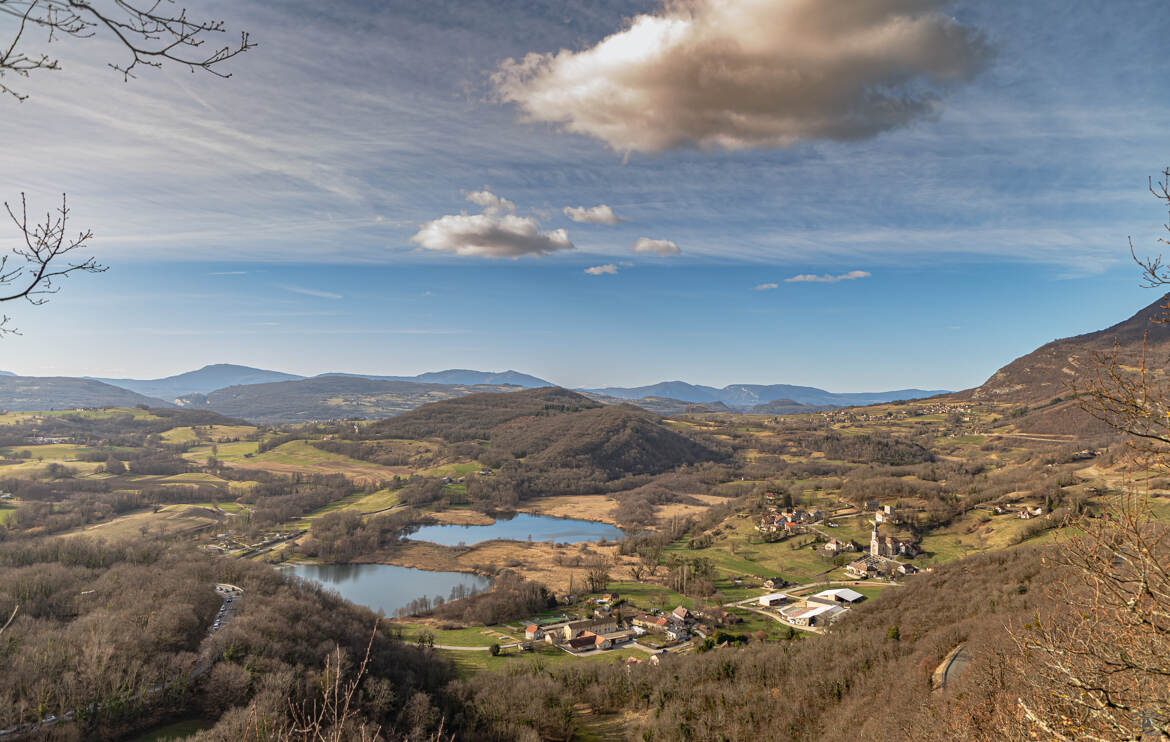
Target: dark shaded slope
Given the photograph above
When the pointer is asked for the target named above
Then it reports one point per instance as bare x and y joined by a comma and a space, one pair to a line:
616, 441
474, 417
30, 393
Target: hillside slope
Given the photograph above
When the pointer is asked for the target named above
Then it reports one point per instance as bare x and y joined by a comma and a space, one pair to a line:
326, 398
1048, 371
474, 417
28, 393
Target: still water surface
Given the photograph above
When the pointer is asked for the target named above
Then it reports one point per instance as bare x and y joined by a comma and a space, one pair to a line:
386, 587
521, 527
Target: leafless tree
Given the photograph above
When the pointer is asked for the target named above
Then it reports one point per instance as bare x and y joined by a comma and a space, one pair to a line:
45, 254
151, 33
1097, 666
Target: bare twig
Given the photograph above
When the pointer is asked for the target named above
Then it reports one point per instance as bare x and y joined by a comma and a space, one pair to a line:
33, 270
10, 619
151, 32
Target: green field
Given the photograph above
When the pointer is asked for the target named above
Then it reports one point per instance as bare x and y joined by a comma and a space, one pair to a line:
647, 597
193, 477
224, 451
358, 502
189, 434
472, 637
469, 663
451, 470
764, 559
13, 418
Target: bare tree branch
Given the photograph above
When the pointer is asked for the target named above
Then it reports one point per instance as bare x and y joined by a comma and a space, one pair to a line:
151, 32
32, 271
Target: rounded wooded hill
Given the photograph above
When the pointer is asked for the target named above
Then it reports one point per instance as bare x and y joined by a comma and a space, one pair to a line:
554, 428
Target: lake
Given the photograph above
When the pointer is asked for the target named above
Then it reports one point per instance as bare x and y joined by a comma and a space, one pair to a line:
521, 527
386, 587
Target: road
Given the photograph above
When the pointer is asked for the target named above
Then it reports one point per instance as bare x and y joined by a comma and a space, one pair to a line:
951, 667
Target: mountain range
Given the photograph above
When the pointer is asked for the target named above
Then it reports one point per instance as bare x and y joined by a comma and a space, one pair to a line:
222, 375
749, 395
1041, 376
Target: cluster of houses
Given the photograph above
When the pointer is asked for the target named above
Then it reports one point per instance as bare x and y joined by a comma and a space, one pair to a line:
1024, 512
461, 480
230, 543
814, 610
601, 632
608, 630
788, 520
883, 547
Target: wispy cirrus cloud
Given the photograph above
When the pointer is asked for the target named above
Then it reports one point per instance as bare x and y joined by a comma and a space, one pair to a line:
601, 270
496, 233
735, 74
310, 291
600, 214
766, 287
662, 248
827, 278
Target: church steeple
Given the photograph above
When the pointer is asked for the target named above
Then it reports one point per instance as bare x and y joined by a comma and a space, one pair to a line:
874, 541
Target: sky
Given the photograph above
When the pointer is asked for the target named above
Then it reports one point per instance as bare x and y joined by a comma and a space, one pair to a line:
852, 195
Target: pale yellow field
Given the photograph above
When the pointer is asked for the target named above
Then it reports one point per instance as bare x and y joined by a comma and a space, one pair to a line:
171, 519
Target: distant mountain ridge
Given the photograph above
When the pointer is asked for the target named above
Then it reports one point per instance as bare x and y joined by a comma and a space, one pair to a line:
223, 375
200, 381
461, 376
751, 395
328, 398
254, 393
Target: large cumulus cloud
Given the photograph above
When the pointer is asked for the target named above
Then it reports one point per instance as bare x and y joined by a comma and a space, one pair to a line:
498, 232
738, 74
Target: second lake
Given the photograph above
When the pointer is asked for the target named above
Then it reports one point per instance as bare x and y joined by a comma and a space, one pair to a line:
521, 527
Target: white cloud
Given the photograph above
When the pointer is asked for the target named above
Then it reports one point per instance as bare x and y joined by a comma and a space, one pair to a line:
496, 233
658, 247
601, 270
750, 73
767, 287
311, 292
600, 214
491, 203
827, 278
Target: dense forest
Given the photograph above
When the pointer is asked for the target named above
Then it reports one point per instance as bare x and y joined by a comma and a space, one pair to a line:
119, 637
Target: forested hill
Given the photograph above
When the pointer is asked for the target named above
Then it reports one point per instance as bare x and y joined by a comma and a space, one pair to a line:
546, 441
472, 417
26, 393
326, 398
1047, 372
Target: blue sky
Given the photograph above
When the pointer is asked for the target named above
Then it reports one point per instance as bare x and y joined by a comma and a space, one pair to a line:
324, 209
